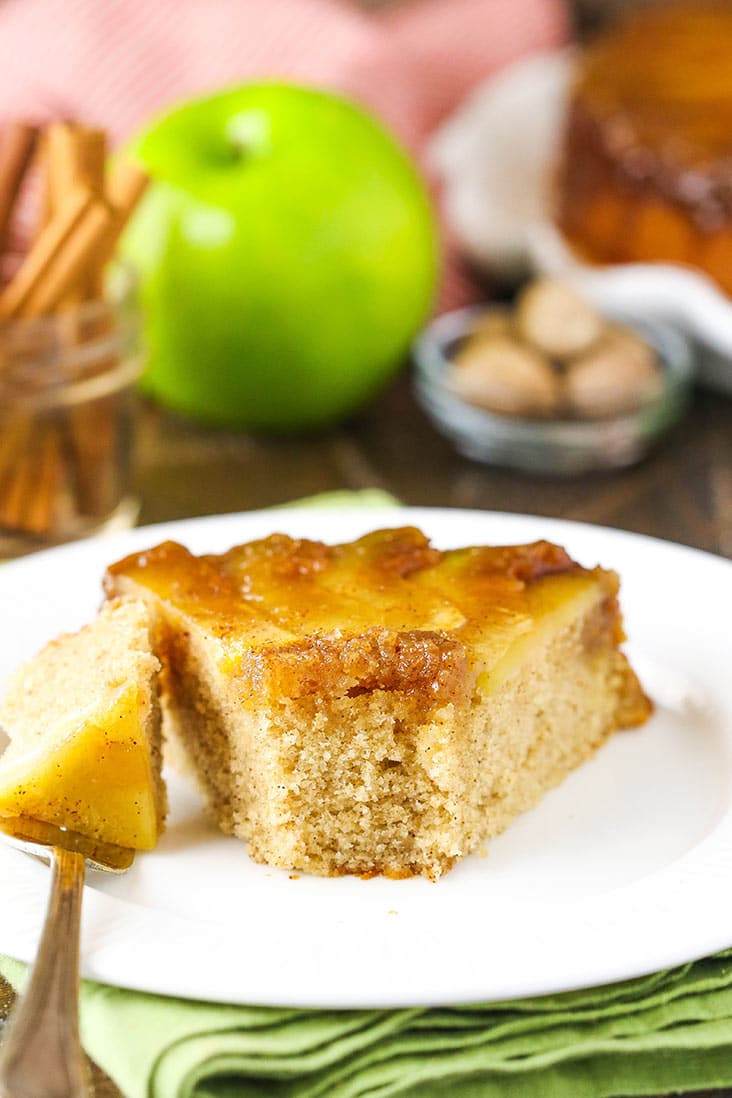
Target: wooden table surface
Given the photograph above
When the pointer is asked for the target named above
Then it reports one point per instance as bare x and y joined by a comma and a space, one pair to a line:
682, 492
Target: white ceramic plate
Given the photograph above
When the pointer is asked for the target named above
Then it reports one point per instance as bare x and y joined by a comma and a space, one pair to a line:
496, 160
623, 869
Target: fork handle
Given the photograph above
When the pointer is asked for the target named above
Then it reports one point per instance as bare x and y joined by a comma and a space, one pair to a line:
41, 1056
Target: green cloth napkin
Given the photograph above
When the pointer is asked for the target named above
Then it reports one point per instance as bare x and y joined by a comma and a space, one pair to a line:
668, 1031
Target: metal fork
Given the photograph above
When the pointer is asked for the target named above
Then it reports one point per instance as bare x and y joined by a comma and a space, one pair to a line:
41, 1056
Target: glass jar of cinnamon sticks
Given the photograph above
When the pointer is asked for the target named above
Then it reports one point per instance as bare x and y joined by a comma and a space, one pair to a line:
69, 341
67, 415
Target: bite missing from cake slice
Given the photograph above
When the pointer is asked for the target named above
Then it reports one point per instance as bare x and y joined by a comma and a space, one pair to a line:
84, 723
381, 706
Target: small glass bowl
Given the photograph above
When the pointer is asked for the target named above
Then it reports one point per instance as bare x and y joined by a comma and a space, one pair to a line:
561, 447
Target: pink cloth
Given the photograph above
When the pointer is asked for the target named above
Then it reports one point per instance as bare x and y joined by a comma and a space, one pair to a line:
113, 63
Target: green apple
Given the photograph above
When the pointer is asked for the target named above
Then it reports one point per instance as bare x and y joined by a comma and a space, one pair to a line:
287, 253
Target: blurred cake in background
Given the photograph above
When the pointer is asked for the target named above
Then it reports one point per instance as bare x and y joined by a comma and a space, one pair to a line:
645, 170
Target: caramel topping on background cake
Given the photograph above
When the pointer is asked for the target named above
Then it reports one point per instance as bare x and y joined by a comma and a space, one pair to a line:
662, 83
646, 168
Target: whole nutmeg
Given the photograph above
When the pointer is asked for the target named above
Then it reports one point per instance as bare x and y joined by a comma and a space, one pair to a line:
559, 323
507, 377
497, 321
616, 376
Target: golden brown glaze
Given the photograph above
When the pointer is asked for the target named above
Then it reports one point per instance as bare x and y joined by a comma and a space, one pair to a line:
297, 618
646, 169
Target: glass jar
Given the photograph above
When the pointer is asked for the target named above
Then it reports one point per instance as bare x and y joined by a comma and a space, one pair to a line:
67, 418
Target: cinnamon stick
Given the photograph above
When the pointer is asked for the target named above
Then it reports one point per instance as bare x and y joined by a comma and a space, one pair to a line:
31, 468
45, 207
127, 184
17, 490
37, 516
37, 262
16, 151
61, 164
95, 429
69, 263
92, 167
76, 158
94, 437
57, 259
15, 429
